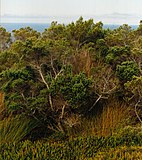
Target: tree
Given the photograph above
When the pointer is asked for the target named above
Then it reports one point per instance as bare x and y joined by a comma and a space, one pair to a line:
122, 36
5, 39
36, 81
83, 32
24, 33
69, 71
134, 89
54, 32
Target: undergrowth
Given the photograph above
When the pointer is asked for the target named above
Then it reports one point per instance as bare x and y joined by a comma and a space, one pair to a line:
113, 147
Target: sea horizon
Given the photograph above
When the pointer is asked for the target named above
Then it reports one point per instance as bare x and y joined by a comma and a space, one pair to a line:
40, 27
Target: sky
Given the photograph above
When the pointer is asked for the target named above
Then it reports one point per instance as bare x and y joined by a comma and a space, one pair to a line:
64, 11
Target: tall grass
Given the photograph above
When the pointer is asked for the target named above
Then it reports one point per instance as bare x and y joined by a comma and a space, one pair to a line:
14, 129
1, 104
114, 116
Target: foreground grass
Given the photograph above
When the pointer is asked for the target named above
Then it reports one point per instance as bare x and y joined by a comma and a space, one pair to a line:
120, 153
76, 149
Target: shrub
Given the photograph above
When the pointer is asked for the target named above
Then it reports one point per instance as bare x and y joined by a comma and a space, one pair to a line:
126, 70
74, 88
79, 149
117, 54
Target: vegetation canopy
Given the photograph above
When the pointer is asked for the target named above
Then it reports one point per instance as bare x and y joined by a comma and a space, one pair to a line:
74, 80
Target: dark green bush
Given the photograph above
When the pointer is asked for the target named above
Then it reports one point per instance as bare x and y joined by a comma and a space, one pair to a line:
117, 54
126, 70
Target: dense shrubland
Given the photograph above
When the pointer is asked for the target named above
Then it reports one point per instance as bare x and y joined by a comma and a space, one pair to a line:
71, 80
128, 146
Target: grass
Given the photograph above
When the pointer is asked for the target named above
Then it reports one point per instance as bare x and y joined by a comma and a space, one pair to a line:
15, 129
90, 148
120, 153
1, 104
114, 116
92, 138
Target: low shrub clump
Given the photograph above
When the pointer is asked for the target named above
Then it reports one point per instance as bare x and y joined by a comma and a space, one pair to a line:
121, 153
113, 147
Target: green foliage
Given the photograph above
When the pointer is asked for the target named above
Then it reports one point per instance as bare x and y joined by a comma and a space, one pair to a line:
15, 129
117, 54
5, 39
121, 36
126, 70
134, 94
37, 81
139, 29
120, 153
135, 86
83, 32
7, 59
24, 33
55, 31
74, 88
16, 86
31, 49
101, 47
80, 148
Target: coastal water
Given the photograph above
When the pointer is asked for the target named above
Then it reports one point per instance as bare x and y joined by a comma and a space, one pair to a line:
40, 27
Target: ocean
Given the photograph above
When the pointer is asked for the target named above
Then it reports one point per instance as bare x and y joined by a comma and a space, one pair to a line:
40, 27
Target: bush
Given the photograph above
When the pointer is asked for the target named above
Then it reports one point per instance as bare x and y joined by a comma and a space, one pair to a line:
79, 149
126, 70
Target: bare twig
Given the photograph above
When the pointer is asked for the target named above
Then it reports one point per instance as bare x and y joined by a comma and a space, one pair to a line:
100, 96
63, 109
58, 74
137, 112
44, 81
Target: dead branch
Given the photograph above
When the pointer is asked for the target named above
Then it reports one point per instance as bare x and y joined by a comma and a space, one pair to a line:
44, 81
62, 113
58, 74
136, 105
100, 96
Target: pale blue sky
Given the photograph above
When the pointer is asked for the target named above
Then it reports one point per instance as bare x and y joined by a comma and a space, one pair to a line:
68, 10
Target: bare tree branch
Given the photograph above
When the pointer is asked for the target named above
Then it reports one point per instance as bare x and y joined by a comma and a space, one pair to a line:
137, 112
58, 74
95, 102
63, 109
44, 81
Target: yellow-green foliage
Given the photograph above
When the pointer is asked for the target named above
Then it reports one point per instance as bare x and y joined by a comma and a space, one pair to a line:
14, 129
76, 149
120, 153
